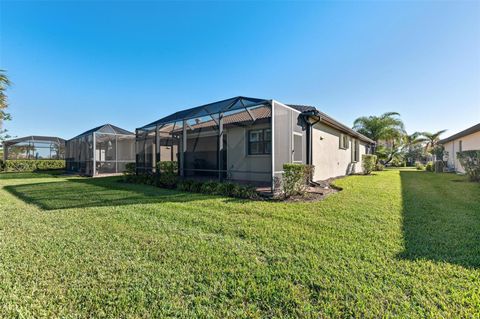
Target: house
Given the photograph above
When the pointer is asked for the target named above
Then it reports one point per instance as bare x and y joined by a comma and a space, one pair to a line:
34, 148
113, 147
465, 140
248, 140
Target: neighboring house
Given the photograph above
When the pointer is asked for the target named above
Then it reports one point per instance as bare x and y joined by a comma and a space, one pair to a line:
34, 148
465, 140
105, 149
248, 140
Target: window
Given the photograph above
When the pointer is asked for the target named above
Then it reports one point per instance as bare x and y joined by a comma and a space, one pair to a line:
356, 151
260, 142
460, 145
343, 141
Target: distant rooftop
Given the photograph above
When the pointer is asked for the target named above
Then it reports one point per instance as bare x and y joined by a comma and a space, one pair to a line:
106, 128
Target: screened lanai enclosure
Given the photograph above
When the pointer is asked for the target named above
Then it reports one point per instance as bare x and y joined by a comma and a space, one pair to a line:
239, 139
34, 148
102, 150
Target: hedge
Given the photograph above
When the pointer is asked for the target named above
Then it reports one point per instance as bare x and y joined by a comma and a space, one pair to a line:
169, 179
32, 165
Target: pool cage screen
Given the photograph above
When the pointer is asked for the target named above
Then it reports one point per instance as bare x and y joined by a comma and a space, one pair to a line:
210, 141
34, 148
234, 139
104, 150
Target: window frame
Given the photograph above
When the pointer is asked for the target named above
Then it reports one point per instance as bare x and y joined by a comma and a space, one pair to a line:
295, 153
355, 150
344, 142
265, 150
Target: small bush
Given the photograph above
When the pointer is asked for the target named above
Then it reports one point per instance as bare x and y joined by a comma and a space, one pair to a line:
129, 175
226, 189
368, 163
185, 185
33, 165
218, 188
379, 167
209, 187
470, 161
420, 166
429, 167
397, 162
244, 191
295, 178
168, 173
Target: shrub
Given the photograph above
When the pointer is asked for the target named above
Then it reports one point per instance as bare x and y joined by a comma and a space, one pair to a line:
2, 165
398, 162
129, 175
185, 185
33, 165
429, 167
419, 166
244, 191
189, 186
368, 163
470, 161
209, 187
295, 178
168, 173
218, 188
226, 189
379, 167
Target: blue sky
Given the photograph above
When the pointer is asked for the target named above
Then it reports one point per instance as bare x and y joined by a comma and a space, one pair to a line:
77, 65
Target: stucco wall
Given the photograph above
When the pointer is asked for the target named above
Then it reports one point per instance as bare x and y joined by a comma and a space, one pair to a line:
252, 167
469, 142
329, 159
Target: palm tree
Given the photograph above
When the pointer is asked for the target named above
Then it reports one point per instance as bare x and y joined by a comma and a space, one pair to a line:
432, 140
387, 128
411, 144
413, 139
384, 127
4, 84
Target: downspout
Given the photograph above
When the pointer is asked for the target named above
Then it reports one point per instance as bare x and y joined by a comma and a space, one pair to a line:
304, 118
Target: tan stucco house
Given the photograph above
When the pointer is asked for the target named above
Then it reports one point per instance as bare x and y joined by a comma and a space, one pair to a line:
248, 140
465, 140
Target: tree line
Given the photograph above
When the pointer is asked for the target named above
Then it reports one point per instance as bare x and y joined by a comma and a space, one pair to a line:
394, 145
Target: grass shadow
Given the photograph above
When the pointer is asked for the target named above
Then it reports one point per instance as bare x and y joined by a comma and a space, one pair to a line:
95, 192
31, 175
441, 218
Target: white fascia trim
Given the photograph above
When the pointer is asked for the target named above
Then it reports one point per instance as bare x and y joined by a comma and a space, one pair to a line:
286, 106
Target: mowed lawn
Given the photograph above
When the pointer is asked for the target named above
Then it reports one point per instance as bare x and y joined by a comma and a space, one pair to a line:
396, 244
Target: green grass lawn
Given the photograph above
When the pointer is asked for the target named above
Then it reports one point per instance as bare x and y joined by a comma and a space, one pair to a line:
399, 243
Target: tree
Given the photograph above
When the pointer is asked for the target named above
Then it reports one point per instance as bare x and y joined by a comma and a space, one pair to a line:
383, 127
412, 147
387, 128
4, 84
4, 116
432, 141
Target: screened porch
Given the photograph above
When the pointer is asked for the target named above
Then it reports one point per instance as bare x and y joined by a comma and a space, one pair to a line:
233, 140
